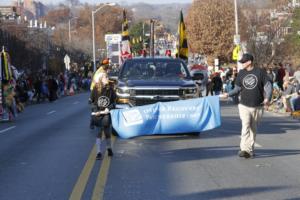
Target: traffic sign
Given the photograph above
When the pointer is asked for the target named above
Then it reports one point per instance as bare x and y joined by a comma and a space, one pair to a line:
67, 61
237, 39
216, 62
236, 52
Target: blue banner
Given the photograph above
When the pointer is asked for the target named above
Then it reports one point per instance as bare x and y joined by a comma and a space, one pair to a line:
184, 116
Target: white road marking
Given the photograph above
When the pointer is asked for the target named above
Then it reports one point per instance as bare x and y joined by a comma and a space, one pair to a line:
257, 145
12, 127
76, 102
166, 153
51, 112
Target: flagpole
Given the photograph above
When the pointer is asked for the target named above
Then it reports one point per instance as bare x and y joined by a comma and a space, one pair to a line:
179, 33
152, 38
143, 35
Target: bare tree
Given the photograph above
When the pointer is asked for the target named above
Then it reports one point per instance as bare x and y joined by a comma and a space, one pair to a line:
264, 35
210, 25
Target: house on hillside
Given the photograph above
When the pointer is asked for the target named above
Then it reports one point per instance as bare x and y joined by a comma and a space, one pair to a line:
295, 3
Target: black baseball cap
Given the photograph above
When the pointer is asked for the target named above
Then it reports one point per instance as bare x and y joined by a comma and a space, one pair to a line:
246, 57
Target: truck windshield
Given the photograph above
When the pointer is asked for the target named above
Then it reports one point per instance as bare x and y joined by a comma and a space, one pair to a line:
153, 70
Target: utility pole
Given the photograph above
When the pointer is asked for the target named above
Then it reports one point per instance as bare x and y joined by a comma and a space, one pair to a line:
236, 18
143, 37
69, 30
93, 30
237, 37
152, 37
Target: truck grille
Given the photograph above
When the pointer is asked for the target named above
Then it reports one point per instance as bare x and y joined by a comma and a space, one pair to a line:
141, 102
159, 92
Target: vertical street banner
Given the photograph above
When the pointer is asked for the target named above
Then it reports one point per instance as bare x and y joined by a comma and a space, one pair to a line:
125, 49
236, 52
6, 73
6, 76
1, 82
176, 117
183, 50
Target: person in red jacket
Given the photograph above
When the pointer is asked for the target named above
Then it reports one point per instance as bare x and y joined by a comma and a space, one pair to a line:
281, 75
168, 53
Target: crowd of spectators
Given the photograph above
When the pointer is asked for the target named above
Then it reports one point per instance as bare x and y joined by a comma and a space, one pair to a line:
286, 88
285, 81
284, 78
39, 88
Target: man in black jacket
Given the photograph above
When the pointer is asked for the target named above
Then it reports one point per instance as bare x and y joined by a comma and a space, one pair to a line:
255, 89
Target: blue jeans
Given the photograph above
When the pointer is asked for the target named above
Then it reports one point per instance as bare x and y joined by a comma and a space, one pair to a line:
295, 103
217, 92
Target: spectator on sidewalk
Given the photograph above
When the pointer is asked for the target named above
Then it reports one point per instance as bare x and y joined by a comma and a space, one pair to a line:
290, 90
52, 87
271, 74
281, 75
217, 84
295, 99
297, 74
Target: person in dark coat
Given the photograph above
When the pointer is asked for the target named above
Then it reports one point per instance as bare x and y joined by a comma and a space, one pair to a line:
103, 98
217, 84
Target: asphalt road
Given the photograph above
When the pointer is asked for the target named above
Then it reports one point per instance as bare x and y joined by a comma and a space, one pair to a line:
48, 153
43, 152
207, 166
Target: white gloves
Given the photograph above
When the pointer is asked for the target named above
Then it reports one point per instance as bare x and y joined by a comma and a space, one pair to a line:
104, 112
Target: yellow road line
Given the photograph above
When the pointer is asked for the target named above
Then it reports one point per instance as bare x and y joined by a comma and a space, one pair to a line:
102, 176
84, 176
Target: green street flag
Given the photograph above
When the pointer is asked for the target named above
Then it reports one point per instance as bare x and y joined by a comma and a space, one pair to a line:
183, 50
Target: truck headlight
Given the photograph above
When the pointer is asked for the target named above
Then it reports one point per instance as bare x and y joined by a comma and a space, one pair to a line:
123, 91
190, 91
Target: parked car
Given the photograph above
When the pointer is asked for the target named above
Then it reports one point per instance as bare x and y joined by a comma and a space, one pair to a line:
143, 81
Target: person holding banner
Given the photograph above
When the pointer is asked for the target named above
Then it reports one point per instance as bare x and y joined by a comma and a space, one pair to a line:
255, 89
96, 77
102, 69
103, 97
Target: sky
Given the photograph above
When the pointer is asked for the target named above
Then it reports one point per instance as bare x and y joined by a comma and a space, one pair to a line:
8, 2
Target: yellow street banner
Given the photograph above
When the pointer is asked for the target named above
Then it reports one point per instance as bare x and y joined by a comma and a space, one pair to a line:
235, 52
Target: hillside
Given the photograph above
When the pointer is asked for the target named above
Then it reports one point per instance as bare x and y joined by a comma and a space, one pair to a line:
167, 13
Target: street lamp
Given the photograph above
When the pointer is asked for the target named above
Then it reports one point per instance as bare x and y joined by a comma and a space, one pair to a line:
93, 29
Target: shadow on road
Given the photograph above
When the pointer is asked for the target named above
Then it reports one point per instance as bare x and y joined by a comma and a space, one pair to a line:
280, 125
229, 193
262, 153
202, 153
268, 125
